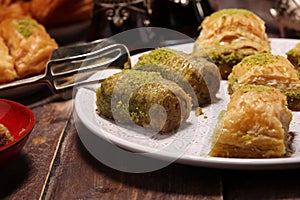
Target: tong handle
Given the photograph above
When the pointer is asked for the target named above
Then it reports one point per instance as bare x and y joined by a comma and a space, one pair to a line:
65, 73
72, 66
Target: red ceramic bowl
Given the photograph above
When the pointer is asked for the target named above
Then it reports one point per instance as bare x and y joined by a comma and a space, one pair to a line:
19, 120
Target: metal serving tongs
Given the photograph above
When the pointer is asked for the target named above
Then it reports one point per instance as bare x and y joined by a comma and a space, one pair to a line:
71, 66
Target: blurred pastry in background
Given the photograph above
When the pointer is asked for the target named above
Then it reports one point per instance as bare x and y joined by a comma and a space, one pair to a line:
270, 70
229, 35
7, 2
53, 13
49, 13
293, 56
14, 9
255, 124
29, 45
7, 70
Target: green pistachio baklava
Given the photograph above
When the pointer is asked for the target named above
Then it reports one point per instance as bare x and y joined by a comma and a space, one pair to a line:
194, 72
270, 70
145, 99
293, 55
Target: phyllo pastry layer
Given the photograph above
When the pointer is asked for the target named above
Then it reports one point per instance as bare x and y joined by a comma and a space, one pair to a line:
7, 70
255, 124
270, 70
229, 35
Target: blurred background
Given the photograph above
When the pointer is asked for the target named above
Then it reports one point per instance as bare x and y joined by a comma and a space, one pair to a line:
110, 17
282, 17
85, 20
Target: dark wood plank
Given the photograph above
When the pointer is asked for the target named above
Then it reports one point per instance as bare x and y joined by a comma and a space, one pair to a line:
25, 176
80, 176
277, 184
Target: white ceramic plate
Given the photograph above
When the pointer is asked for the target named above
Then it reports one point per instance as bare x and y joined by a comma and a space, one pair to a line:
193, 138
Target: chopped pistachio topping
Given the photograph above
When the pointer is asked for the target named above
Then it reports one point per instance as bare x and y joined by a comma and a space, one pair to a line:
261, 59
294, 52
246, 137
221, 115
258, 88
24, 27
231, 59
156, 56
293, 56
292, 94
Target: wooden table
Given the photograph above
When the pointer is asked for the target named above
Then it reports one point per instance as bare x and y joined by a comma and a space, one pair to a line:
54, 164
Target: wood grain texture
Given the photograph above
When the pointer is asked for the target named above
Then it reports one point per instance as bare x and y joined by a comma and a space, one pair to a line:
25, 176
80, 176
54, 164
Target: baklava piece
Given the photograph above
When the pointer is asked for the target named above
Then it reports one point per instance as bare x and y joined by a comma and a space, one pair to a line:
202, 77
293, 55
229, 35
29, 44
255, 125
5, 136
7, 70
145, 99
270, 70
14, 9
53, 13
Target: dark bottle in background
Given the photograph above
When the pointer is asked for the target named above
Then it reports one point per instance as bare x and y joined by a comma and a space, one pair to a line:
114, 16
184, 16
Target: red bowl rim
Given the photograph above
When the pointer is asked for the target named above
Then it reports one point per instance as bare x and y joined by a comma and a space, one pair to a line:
28, 128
